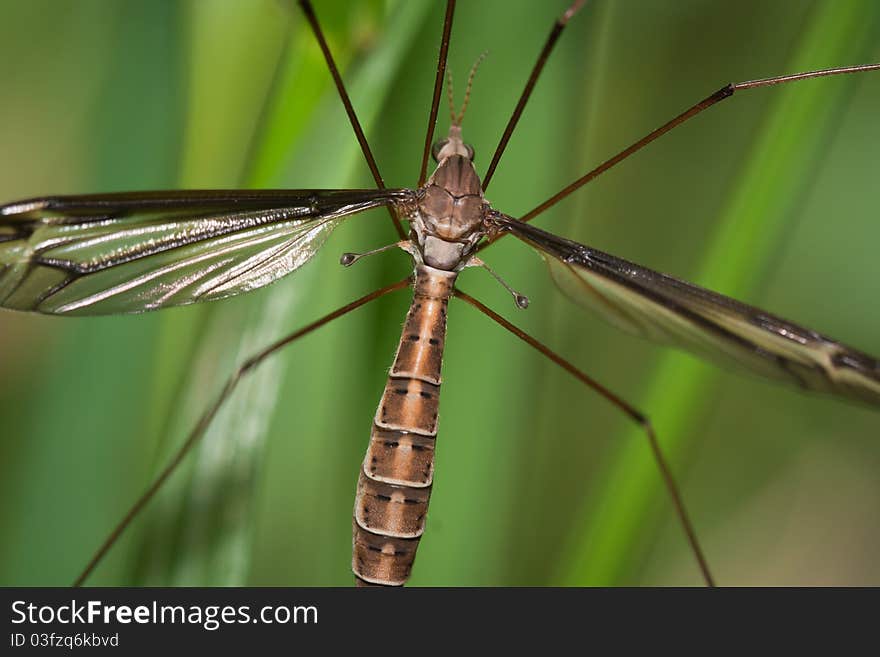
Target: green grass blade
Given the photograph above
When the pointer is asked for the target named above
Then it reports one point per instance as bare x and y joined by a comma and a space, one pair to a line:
208, 541
606, 548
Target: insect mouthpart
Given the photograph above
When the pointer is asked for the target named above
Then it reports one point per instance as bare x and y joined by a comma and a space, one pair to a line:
438, 147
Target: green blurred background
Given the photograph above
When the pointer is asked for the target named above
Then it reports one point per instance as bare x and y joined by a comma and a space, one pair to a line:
770, 197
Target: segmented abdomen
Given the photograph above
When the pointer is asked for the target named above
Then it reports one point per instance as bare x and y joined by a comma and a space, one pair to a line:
395, 481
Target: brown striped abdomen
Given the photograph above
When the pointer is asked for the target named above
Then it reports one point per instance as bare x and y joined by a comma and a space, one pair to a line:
395, 481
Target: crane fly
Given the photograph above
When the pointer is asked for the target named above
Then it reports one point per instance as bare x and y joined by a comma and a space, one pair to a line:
123, 253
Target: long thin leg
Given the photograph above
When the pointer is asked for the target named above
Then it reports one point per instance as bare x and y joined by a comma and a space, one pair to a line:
725, 92
208, 415
633, 413
309, 12
438, 88
552, 38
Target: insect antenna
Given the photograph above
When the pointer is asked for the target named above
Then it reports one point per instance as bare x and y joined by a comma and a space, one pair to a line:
205, 420
450, 96
457, 119
634, 414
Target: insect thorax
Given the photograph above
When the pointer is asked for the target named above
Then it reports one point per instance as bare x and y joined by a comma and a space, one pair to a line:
447, 222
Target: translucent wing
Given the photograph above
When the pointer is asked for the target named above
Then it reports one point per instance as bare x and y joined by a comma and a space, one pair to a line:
132, 252
718, 328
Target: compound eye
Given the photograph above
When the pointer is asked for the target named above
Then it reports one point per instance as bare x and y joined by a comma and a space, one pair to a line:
437, 147
470, 152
